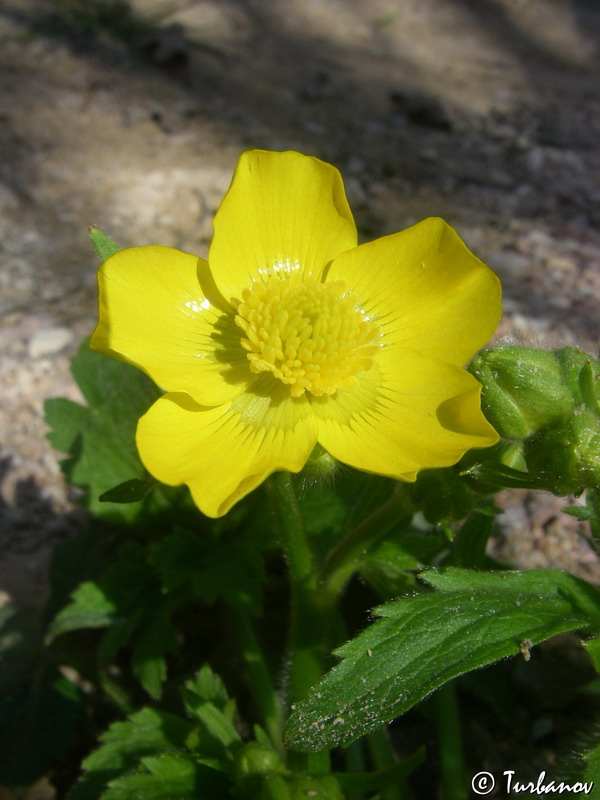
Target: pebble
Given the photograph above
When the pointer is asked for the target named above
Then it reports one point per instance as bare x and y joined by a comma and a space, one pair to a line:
49, 341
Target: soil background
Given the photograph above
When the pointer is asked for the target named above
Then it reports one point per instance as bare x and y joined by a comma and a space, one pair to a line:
131, 116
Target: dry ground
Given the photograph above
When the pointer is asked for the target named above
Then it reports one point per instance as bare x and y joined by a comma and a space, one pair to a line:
486, 112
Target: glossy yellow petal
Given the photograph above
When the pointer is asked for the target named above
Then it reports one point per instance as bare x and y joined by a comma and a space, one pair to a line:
154, 313
283, 211
426, 290
224, 453
409, 413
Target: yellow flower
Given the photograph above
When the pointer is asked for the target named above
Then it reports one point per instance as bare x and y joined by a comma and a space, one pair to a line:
292, 335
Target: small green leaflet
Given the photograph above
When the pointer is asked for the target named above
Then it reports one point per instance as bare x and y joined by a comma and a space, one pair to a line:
421, 642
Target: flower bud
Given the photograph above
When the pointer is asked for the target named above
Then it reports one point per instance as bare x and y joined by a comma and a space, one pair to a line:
254, 762
586, 434
524, 390
581, 373
567, 458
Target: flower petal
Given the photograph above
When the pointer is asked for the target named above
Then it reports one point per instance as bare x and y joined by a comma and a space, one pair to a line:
282, 211
224, 453
154, 313
426, 289
409, 413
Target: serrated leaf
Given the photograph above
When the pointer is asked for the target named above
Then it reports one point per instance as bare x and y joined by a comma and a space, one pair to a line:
148, 732
90, 608
216, 723
104, 246
124, 590
386, 566
209, 686
169, 777
421, 642
100, 439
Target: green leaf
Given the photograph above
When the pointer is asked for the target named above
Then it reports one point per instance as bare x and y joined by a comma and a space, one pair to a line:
90, 608
104, 246
148, 732
169, 777
124, 590
388, 566
209, 686
132, 491
421, 642
207, 702
100, 439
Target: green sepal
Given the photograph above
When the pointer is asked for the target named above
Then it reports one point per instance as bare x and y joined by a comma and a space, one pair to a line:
131, 491
104, 246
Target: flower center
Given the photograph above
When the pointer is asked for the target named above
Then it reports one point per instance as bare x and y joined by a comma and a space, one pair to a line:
311, 336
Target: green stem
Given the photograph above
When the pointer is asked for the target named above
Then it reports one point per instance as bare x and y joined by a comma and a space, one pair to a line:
308, 626
450, 742
345, 557
264, 692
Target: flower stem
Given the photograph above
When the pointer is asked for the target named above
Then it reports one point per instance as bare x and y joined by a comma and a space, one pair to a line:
345, 557
450, 743
264, 692
308, 626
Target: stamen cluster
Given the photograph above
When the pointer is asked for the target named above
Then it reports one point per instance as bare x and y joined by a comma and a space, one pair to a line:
310, 335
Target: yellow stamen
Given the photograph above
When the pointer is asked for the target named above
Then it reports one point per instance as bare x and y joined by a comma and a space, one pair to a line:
311, 336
